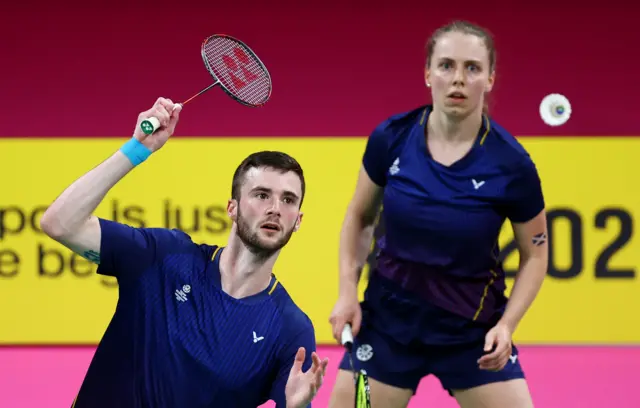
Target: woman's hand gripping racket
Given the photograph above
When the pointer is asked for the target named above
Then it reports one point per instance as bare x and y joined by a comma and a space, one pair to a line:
233, 66
363, 394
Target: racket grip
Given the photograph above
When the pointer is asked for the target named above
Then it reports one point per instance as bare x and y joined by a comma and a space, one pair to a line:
149, 125
347, 336
152, 124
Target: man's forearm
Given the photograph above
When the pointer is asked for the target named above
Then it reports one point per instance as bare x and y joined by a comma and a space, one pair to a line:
78, 201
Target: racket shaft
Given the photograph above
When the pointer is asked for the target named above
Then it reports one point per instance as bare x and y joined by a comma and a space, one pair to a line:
353, 369
201, 92
150, 125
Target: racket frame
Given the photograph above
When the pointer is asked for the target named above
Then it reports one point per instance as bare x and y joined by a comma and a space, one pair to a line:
150, 125
362, 375
217, 80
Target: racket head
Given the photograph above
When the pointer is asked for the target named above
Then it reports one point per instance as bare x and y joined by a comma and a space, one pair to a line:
237, 69
363, 392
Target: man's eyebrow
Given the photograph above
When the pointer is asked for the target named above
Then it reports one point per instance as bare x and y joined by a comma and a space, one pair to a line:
268, 190
291, 194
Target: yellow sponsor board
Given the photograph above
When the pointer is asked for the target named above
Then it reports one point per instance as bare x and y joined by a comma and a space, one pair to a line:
50, 296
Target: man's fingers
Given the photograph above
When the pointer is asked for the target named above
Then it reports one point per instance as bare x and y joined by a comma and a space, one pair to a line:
166, 111
322, 367
325, 363
315, 362
163, 115
159, 112
319, 374
175, 113
319, 378
166, 103
297, 362
318, 367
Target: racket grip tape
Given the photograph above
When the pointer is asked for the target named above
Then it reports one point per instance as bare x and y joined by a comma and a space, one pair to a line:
152, 124
346, 339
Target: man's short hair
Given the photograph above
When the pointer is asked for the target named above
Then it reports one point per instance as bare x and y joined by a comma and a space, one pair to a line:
274, 160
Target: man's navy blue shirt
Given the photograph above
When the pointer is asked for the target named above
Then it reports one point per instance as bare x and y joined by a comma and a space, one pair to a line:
178, 340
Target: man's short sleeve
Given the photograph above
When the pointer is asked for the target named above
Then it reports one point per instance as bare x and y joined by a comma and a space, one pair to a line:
525, 197
127, 251
375, 158
304, 338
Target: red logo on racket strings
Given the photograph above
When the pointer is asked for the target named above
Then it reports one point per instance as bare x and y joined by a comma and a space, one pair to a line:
239, 64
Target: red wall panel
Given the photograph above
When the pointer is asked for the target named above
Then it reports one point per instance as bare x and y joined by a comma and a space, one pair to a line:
338, 67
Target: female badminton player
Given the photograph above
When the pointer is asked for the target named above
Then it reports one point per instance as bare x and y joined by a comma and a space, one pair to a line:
447, 178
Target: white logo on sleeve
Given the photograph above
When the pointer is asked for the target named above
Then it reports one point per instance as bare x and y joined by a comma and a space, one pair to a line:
181, 294
477, 184
395, 167
256, 338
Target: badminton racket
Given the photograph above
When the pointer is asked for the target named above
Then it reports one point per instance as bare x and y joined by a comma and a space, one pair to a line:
361, 381
235, 68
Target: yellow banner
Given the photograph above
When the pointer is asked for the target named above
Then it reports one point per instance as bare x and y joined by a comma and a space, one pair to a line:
50, 296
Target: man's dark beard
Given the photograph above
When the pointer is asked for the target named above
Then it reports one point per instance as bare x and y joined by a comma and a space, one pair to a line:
251, 240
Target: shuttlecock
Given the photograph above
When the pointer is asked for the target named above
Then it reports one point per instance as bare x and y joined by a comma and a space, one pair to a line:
555, 109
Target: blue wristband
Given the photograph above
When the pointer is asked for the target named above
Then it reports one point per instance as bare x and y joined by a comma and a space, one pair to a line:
135, 151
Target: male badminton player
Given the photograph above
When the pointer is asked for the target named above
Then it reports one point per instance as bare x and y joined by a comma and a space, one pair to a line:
448, 177
196, 325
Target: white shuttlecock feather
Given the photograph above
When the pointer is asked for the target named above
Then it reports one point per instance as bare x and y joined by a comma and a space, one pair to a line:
555, 109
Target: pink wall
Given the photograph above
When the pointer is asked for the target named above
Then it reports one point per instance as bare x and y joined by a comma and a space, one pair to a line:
338, 67
558, 377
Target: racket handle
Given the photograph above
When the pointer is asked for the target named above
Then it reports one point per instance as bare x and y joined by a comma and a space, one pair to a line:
152, 124
149, 125
347, 336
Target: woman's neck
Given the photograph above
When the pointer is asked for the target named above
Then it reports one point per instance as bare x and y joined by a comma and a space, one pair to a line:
447, 128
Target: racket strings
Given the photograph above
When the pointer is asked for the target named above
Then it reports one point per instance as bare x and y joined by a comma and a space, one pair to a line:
238, 70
